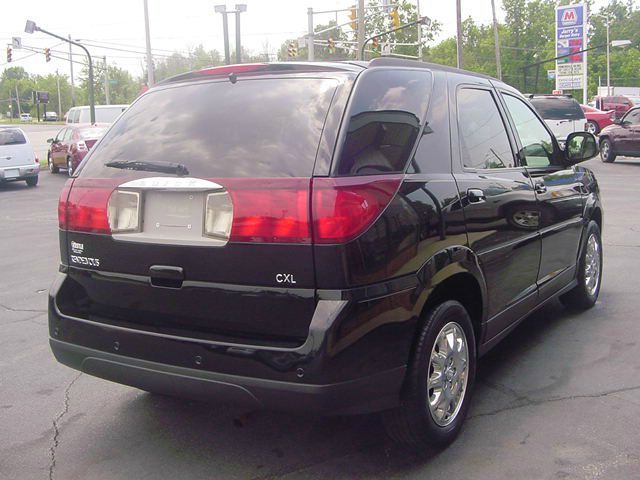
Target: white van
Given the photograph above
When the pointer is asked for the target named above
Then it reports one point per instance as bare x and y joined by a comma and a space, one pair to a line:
104, 113
562, 113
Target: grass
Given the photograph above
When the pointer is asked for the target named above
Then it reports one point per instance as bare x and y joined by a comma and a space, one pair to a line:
16, 121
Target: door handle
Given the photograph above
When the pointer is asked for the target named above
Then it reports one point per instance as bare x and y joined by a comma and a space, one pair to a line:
540, 187
475, 195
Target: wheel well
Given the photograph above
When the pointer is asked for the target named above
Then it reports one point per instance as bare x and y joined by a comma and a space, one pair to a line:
597, 217
464, 288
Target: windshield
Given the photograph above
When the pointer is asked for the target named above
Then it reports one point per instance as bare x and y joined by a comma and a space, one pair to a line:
11, 137
558, 108
253, 128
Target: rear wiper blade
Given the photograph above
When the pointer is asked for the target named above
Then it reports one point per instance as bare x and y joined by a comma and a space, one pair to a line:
162, 167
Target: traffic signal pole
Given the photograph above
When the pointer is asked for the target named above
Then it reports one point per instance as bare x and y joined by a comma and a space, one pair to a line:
360, 36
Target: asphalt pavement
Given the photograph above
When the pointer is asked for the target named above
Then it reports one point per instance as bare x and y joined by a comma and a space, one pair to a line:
558, 399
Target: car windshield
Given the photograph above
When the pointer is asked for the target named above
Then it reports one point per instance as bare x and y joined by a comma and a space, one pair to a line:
558, 108
11, 137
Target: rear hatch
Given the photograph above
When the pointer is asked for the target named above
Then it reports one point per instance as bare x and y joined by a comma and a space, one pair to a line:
15, 151
192, 215
563, 115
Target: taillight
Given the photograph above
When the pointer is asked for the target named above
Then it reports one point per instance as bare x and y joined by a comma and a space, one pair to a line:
269, 210
586, 127
343, 208
123, 211
85, 209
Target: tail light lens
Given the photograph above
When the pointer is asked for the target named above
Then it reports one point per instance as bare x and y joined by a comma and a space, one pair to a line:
343, 208
123, 211
218, 216
586, 127
85, 208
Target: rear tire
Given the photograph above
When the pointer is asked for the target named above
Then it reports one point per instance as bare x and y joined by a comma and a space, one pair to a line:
32, 181
593, 127
584, 295
606, 151
69, 167
437, 390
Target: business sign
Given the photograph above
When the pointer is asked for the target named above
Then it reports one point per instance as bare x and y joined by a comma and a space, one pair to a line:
571, 39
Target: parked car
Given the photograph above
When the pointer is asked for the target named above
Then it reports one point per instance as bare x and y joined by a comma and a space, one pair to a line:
69, 147
104, 114
622, 138
561, 112
25, 118
18, 161
634, 100
351, 242
50, 117
618, 103
597, 119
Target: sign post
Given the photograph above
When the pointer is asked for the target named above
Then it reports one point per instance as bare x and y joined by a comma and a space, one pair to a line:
571, 36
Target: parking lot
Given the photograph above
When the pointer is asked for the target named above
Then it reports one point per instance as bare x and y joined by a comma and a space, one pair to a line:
559, 398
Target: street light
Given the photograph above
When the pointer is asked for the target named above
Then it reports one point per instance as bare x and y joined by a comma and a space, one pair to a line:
31, 27
239, 9
615, 43
225, 31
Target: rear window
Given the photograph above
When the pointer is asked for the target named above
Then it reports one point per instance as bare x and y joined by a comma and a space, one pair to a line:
558, 108
253, 128
103, 114
11, 137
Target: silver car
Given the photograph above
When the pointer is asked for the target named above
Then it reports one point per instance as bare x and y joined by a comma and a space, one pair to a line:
18, 161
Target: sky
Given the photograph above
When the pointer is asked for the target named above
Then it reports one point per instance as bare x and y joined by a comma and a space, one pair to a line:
179, 26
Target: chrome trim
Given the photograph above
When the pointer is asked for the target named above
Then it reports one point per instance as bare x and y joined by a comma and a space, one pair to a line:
172, 183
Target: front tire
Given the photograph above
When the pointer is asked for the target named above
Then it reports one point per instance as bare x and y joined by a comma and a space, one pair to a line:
606, 151
584, 295
69, 167
439, 382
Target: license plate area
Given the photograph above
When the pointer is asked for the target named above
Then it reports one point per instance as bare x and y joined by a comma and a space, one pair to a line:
12, 173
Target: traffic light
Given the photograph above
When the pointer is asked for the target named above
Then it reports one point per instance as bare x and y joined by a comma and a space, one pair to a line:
354, 17
331, 43
9, 53
292, 50
395, 18
47, 54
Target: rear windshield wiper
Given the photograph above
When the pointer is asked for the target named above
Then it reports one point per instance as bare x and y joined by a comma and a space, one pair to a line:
162, 167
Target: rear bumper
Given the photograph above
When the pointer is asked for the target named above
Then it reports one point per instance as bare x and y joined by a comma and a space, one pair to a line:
355, 396
20, 172
352, 361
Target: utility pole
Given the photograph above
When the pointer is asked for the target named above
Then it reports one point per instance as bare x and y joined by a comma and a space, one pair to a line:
608, 61
73, 93
496, 39
419, 31
239, 9
59, 98
459, 33
360, 29
18, 101
106, 81
310, 36
222, 9
150, 73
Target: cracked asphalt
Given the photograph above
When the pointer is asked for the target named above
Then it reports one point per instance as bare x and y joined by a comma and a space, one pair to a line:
558, 399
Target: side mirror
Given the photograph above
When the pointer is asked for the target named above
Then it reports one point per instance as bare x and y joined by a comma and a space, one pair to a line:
50, 140
580, 146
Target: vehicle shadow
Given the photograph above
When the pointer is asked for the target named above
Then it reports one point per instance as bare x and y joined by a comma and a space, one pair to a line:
269, 444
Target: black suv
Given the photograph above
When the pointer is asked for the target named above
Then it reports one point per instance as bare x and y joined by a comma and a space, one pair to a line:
337, 237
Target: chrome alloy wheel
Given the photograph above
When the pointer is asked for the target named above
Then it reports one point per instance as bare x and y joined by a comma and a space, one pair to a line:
605, 149
592, 128
448, 372
592, 265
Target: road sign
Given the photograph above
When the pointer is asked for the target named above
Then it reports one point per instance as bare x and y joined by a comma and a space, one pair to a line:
571, 39
551, 74
16, 42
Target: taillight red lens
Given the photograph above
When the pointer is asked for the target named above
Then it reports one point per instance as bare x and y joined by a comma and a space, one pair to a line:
62, 204
344, 207
270, 210
86, 206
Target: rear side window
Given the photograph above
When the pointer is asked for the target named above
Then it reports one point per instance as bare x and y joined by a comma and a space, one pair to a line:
107, 115
12, 137
558, 108
484, 142
384, 121
75, 115
253, 128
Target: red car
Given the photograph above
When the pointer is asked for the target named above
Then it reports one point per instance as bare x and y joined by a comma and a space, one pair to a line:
70, 146
618, 103
597, 119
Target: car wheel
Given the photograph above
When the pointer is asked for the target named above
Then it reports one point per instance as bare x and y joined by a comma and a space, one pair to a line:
52, 166
32, 181
440, 378
592, 127
69, 167
606, 151
585, 294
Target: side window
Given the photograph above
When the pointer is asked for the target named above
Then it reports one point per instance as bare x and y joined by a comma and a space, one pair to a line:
537, 143
385, 118
483, 138
67, 135
60, 134
633, 117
